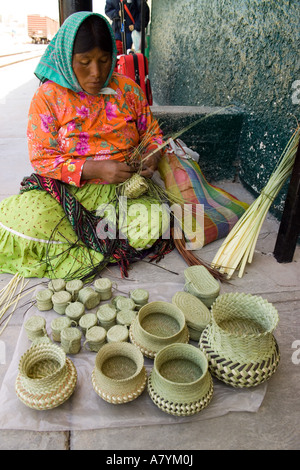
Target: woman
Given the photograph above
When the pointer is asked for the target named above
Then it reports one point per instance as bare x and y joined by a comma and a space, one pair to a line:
84, 123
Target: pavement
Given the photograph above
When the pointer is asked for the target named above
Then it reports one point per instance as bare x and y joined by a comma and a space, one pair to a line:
274, 425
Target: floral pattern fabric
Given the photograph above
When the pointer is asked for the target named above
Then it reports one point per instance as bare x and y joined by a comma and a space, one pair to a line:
66, 128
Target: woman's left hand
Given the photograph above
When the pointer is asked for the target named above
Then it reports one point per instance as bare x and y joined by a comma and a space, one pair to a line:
150, 164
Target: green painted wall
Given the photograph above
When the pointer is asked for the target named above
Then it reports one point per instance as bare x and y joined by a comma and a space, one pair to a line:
232, 52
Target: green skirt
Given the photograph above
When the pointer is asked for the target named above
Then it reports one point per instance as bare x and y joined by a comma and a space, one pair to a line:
37, 239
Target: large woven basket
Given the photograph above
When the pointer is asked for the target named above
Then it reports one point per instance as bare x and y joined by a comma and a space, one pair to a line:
119, 375
199, 282
46, 377
158, 324
197, 315
180, 383
239, 341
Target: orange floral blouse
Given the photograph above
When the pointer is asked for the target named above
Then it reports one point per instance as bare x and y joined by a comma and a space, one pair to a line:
67, 128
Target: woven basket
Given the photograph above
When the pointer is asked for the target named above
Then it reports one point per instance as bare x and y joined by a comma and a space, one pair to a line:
140, 297
46, 377
35, 327
117, 333
135, 186
158, 324
119, 375
180, 383
88, 320
125, 317
70, 339
106, 315
104, 287
122, 303
58, 324
95, 338
239, 341
44, 299
73, 287
89, 298
74, 311
60, 301
197, 315
199, 282
57, 285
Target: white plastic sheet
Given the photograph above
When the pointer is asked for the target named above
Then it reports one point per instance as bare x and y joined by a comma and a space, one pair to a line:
85, 410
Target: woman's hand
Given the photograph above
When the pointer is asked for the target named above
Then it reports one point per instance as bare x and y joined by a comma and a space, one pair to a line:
150, 164
110, 171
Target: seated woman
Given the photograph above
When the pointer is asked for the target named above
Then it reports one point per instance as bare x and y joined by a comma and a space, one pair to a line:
84, 123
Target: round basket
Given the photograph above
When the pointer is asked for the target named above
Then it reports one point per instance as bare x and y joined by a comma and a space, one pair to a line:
119, 375
95, 338
126, 317
70, 339
73, 287
75, 310
104, 287
89, 298
140, 297
60, 301
180, 383
117, 333
123, 303
236, 373
158, 324
197, 315
57, 285
88, 320
46, 377
58, 324
43, 299
106, 315
35, 327
199, 282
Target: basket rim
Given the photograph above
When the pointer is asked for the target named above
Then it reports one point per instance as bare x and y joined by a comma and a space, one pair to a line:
161, 303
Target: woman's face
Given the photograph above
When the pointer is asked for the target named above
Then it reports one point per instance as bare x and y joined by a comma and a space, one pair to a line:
91, 69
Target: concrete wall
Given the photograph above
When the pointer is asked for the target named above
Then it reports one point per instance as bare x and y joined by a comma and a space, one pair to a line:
232, 52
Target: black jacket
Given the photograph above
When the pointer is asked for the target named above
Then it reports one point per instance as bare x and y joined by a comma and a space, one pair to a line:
112, 8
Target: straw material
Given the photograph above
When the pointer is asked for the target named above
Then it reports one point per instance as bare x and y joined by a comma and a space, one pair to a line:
60, 301
56, 285
135, 186
119, 375
197, 315
158, 324
46, 377
43, 299
57, 325
180, 383
89, 298
126, 317
240, 335
35, 327
88, 320
117, 333
73, 287
104, 287
70, 339
75, 310
201, 283
95, 338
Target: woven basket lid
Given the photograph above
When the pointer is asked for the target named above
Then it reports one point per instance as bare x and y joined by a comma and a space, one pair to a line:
103, 284
200, 282
74, 286
70, 334
75, 310
197, 315
36, 322
44, 295
61, 297
125, 317
46, 377
106, 313
88, 320
139, 296
124, 303
96, 334
60, 323
57, 285
117, 333
119, 375
158, 324
180, 383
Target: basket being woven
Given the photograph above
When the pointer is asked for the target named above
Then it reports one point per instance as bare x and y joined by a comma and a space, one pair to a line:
119, 375
239, 341
156, 325
46, 377
199, 282
180, 383
135, 186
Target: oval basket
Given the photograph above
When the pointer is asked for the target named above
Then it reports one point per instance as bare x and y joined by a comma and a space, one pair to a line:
197, 315
180, 383
199, 282
156, 325
46, 377
119, 375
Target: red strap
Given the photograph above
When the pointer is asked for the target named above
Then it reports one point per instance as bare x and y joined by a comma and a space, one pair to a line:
128, 13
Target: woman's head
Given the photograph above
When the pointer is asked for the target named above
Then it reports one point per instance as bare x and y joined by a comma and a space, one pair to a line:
92, 54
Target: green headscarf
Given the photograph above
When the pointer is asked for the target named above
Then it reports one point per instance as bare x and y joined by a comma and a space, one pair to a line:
56, 62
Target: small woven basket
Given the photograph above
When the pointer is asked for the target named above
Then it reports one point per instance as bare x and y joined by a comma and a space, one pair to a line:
122, 303
75, 310
158, 324
106, 315
95, 338
57, 285
46, 377
57, 325
104, 287
35, 327
43, 299
199, 282
239, 341
140, 297
119, 375
89, 298
135, 186
197, 315
70, 339
125, 317
180, 383
88, 320
73, 287
60, 301
117, 333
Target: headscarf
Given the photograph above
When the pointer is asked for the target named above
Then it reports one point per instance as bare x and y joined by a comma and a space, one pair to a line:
56, 62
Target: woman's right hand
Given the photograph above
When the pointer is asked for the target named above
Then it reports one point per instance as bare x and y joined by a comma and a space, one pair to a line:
110, 171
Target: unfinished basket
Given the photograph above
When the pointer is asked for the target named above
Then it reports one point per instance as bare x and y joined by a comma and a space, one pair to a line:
119, 375
158, 324
46, 377
135, 186
197, 315
199, 282
239, 341
180, 383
